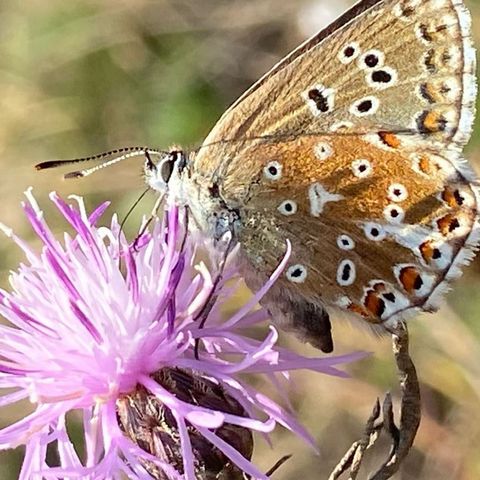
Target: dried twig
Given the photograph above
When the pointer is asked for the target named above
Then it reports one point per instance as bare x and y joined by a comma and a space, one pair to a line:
402, 438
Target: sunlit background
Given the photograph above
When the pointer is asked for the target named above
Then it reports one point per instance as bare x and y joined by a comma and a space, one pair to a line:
81, 77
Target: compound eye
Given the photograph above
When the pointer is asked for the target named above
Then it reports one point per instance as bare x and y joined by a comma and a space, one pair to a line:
166, 170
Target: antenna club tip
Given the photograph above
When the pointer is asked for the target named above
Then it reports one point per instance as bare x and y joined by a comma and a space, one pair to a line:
73, 175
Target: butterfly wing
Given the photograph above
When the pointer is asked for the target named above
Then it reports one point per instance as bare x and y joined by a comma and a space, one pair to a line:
408, 62
376, 231
351, 149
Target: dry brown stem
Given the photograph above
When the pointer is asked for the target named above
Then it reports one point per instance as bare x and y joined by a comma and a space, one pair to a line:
402, 437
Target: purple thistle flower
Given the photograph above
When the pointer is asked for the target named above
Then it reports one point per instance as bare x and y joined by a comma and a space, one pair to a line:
93, 320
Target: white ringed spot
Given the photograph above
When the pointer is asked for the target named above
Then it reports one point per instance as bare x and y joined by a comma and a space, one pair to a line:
457, 196
296, 273
288, 207
361, 168
394, 214
421, 165
323, 150
371, 59
346, 273
318, 197
345, 242
382, 78
349, 53
413, 280
365, 106
273, 170
320, 99
432, 165
453, 225
436, 253
397, 192
374, 231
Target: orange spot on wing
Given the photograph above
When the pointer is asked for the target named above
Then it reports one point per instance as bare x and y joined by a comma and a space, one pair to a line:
374, 304
448, 197
426, 166
448, 224
409, 278
432, 121
431, 93
426, 249
389, 139
452, 197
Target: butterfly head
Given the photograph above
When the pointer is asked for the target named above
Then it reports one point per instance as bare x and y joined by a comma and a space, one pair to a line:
167, 173
162, 170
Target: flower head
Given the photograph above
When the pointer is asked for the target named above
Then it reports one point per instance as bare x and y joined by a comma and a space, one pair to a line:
95, 324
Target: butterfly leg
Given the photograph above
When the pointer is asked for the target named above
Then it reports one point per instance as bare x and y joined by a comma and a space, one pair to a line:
148, 222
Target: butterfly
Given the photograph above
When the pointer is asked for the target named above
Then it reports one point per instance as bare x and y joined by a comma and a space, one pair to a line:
350, 148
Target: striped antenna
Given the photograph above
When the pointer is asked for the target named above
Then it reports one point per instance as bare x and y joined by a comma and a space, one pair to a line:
108, 158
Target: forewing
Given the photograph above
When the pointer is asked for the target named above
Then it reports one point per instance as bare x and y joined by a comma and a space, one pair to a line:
385, 65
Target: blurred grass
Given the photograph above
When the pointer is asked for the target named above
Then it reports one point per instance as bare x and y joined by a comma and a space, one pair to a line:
82, 77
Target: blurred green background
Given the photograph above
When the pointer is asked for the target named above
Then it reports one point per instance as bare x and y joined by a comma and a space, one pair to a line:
84, 76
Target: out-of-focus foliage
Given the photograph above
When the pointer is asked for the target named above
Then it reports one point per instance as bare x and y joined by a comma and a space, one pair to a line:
85, 76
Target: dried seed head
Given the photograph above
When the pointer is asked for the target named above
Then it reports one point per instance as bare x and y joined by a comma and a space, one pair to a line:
151, 425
